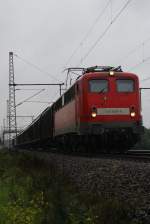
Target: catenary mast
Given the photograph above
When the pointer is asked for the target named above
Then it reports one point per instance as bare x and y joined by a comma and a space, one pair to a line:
12, 123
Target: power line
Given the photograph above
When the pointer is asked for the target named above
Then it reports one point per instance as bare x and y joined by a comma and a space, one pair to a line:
88, 32
28, 89
33, 101
35, 67
54, 95
140, 63
106, 30
142, 44
148, 78
30, 97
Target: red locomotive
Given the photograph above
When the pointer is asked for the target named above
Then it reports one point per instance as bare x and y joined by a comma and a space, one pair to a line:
101, 111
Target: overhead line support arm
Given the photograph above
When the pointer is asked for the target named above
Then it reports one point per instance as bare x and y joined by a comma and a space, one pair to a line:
39, 84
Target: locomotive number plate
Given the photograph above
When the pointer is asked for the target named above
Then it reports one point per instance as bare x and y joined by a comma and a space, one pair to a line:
113, 111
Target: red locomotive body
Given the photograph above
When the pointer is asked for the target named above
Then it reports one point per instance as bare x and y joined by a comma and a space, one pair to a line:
102, 108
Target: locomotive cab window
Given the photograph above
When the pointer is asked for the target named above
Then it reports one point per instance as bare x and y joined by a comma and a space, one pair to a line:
125, 85
98, 85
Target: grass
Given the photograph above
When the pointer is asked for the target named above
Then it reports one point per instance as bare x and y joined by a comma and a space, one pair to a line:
33, 192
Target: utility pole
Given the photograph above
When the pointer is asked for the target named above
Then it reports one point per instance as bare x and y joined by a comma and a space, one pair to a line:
12, 123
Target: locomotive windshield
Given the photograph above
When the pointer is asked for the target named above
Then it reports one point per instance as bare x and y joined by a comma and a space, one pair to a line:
125, 85
98, 85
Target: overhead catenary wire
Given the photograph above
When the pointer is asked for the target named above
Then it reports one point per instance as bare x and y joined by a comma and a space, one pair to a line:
34, 101
140, 63
131, 52
143, 80
36, 67
28, 89
28, 98
88, 32
55, 95
106, 30
142, 44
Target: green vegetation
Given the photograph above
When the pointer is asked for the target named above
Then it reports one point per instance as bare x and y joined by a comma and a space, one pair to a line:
144, 144
32, 192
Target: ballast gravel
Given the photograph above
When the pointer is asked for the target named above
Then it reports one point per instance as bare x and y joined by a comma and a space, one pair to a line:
127, 180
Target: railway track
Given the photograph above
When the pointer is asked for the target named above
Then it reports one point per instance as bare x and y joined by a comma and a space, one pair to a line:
127, 156
135, 155
138, 155
139, 152
130, 154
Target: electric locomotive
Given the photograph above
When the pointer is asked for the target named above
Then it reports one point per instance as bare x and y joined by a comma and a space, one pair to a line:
100, 111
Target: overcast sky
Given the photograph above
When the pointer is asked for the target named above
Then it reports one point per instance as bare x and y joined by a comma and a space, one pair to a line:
47, 32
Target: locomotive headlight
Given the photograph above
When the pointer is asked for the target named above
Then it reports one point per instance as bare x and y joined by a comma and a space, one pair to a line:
111, 73
132, 114
93, 114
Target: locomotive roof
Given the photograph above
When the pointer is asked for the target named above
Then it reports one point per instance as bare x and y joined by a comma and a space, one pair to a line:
95, 68
103, 69
116, 74
99, 70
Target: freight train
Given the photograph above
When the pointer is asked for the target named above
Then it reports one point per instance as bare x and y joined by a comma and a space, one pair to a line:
101, 111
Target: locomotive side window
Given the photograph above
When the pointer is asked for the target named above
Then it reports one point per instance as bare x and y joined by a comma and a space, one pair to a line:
125, 85
98, 85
